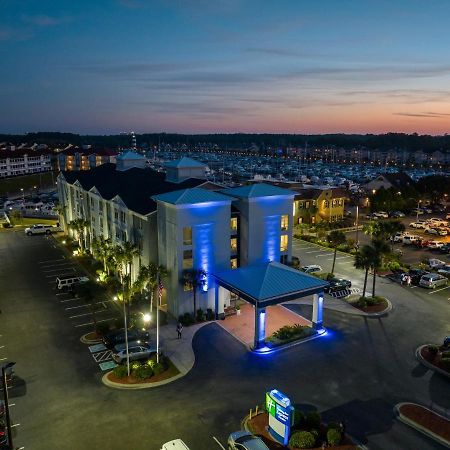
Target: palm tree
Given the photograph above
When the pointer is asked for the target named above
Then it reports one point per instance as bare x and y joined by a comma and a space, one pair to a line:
386, 230
364, 260
380, 249
148, 277
102, 249
194, 279
79, 226
336, 238
130, 251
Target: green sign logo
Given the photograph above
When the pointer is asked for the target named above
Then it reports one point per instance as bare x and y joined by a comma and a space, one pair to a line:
270, 404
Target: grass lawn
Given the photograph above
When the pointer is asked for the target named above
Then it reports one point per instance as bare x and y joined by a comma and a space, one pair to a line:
11, 186
27, 221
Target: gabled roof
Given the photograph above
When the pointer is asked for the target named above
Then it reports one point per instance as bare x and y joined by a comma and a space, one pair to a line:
267, 283
191, 196
184, 162
129, 154
257, 190
134, 186
398, 179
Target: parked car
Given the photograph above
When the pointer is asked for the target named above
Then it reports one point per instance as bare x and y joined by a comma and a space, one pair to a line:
372, 216
418, 224
438, 222
382, 214
135, 353
445, 248
3, 433
433, 280
41, 229
410, 239
312, 268
244, 440
447, 216
397, 214
434, 263
445, 270
432, 231
416, 275
176, 444
435, 245
118, 337
398, 237
337, 284
442, 231
67, 283
421, 243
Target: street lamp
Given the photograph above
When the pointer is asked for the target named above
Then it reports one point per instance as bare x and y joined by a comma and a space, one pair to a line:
23, 195
6, 368
417, 212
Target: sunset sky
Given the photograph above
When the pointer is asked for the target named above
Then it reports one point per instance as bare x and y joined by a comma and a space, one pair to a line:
193, 66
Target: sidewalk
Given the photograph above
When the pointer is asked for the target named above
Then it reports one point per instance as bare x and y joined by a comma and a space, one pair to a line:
179, 351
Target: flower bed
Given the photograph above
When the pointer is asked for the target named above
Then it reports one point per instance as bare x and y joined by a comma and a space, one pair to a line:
439, 356
289, 333
426, 419
258, 426
149, 372
369, 304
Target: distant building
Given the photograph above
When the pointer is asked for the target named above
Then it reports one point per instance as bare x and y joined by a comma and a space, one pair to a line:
21, 162
77, 159
397, 180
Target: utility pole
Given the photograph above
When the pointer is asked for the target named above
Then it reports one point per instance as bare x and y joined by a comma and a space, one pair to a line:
6, 398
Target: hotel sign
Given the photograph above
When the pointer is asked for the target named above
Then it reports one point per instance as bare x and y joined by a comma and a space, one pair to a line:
281, 413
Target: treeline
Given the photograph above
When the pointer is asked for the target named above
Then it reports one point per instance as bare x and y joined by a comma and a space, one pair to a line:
389, 141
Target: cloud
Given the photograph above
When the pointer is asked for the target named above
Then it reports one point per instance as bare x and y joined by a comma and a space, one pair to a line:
429, 115
131, 69
43, 20
10, 34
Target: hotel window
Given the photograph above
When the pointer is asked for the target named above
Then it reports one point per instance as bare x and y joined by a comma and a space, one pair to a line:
122, 216
306, 204
233, 244
300, 205
233, 223
284, 242
326, 204
284, 222
233, 263
187, 259
187, 235
116, 215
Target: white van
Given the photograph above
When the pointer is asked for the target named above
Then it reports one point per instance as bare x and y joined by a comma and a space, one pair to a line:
177, 444
410, 239
65, 283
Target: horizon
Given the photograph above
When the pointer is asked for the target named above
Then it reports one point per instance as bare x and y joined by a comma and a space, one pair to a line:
225, 68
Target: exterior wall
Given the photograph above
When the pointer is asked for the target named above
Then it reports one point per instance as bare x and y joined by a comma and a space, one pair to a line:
260, 229
178, 174
210, 249
323, 208
24, 164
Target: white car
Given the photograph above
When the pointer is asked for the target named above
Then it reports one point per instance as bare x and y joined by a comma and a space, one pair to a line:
41, 229
410, 239
418, 224
434, 263
445, 270
398, 237
176, 444
382, 214
442, 231
437, 222
432, 231
134, 353
434, 244
312, 268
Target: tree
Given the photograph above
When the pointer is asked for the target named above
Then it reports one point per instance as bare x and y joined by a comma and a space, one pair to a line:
194, 279
387, 230
102, 248
79, 227
380, 249
364, 260
336, 238
148, 277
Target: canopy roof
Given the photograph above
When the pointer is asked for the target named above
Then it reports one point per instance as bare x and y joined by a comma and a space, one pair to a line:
270, 283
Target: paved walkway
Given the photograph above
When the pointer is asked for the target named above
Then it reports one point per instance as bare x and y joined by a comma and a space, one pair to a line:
335, 304
242, 326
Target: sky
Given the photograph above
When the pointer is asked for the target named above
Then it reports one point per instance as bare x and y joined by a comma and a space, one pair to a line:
207, 66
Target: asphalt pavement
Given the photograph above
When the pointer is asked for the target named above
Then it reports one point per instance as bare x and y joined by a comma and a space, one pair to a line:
356, 372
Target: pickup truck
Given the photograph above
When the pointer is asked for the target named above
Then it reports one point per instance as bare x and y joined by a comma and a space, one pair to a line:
41, 229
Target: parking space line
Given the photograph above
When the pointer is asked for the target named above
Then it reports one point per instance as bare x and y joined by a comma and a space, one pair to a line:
48, 266
85, 306
61, 274
92, 323
102, 356
437, 290
50, 260
218, 443
59, 269
87, 314
70, 300
317, 251
3, 359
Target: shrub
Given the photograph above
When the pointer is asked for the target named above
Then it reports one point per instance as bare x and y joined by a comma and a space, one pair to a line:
446, 354
158, 368
299, 418
334, 436
120, 371
143, 372
302, 439
433, 349
333, 425
102, 328
313, 419
445, 364
186, 319
200, 315
210, 314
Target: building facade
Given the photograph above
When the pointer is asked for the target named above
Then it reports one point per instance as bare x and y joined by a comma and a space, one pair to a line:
77, 159
182, 224
22, 162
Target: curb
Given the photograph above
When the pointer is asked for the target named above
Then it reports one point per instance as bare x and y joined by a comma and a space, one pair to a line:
418, 427
422, 360
375, 314
83, 340
137, 386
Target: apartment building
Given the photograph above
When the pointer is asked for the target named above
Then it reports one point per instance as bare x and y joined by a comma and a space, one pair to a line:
84, 159
22, 162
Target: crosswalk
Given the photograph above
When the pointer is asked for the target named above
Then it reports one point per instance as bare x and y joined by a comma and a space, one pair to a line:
345, 292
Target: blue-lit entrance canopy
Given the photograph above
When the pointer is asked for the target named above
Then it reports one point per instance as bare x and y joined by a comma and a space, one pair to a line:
269, 284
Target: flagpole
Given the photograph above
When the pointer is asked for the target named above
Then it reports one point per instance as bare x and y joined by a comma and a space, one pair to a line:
157, 319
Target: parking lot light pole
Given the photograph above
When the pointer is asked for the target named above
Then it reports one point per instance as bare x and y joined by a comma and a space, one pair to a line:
5, 396
417, 211
126, 329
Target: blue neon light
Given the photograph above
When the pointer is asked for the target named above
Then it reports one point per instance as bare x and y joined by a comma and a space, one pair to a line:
203, 256
272, 238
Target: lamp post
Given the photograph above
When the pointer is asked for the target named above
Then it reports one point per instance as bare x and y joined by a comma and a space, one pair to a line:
5, 396
417, 211
357, 225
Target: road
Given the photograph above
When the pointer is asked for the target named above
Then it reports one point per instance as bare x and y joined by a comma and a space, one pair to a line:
356, 372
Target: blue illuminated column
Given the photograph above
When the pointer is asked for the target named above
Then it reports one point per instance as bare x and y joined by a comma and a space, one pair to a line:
260, 327
317, 315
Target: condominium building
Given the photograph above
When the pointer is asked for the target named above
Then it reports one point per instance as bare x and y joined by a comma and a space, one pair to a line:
84, 159
21, 162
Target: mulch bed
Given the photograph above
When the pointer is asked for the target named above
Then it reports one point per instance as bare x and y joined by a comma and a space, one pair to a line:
169, 373
92, 336
373, 308
427, 419
258, 425
433, 359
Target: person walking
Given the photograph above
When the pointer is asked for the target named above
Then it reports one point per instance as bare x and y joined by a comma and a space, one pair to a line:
408, 281
179, 330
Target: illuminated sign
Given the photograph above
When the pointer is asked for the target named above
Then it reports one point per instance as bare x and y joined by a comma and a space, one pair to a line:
281, 413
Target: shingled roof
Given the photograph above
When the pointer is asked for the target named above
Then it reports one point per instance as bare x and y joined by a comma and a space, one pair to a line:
135, 186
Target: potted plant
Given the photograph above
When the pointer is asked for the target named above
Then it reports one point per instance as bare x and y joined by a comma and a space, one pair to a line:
238, 310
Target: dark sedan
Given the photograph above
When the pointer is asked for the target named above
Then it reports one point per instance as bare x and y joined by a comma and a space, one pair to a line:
416, 275
118, 337
445, 248
337, 284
